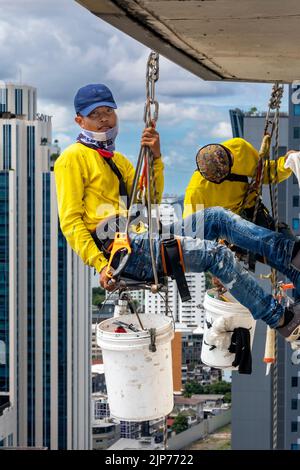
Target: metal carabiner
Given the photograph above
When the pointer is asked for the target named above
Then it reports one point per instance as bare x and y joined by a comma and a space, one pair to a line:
121, 244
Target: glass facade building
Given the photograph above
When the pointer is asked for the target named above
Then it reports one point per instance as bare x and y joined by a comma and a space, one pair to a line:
44, 292
252, 425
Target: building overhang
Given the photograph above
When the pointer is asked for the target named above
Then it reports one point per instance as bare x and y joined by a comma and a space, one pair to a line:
249, 40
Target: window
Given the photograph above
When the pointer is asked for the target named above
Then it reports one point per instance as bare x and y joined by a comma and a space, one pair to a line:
2, 353
18, 101
296, 109
296, 201
296, 132
294, 381
3, 100
294, 404
295, 179
6, 136
101, 410
294, 426
295, 224
295, 447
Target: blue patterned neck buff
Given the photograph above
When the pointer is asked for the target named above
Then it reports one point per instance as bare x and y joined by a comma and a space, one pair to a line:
101, 140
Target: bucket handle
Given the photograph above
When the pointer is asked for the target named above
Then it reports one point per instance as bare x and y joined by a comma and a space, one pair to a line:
152, 345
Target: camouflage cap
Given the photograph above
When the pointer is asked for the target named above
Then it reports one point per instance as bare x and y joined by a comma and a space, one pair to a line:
214, 162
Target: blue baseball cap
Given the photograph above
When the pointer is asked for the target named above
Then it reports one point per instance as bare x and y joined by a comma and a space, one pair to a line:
91, 96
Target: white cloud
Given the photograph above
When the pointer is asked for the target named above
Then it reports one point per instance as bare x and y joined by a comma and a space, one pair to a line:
222, 130
63, 140
60, 46
62, 117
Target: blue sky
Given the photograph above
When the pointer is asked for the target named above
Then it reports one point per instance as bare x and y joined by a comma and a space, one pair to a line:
59, 46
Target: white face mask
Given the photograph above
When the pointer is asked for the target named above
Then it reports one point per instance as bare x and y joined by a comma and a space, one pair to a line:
111, 134
106, 139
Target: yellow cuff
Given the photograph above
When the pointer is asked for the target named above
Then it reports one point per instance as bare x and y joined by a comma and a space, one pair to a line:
100, 264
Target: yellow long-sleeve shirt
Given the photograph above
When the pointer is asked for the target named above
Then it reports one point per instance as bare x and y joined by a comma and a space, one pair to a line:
230, 194
88, 192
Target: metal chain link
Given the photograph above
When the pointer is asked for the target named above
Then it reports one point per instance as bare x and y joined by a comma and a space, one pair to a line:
152, 75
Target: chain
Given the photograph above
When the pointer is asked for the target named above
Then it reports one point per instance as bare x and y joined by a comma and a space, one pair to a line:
150, 119
152, 75
274, 104
257, 180
140, 191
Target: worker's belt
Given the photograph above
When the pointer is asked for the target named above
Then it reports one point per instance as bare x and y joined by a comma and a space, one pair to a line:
104, 234
173, 265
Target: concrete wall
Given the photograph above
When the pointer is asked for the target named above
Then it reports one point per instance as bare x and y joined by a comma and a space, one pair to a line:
8, 424
199, 431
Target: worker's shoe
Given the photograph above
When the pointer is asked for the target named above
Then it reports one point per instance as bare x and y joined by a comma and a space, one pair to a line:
291, 326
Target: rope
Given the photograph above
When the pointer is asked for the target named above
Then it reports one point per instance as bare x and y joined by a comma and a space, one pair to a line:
271, 126
275, 283
275, 396
165, 433
264, 152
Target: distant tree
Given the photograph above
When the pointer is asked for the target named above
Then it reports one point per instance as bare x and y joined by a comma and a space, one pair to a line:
192, 388
220, 387
180, 423
253, 110
227, 397
217, 388
98, 296
208, 280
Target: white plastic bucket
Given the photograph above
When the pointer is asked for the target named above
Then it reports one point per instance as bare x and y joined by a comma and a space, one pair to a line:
139, 382
239, 316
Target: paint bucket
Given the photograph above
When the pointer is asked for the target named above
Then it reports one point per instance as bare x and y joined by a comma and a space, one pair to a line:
236, 315
139, 381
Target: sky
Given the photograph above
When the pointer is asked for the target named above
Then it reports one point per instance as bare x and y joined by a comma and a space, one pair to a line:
59, 46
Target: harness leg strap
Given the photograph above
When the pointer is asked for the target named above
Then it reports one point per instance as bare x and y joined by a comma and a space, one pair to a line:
173, 266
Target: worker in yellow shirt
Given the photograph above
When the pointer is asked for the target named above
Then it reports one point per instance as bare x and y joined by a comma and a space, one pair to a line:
222, 176
93, 180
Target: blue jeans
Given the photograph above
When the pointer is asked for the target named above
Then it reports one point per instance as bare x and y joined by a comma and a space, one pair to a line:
202, 253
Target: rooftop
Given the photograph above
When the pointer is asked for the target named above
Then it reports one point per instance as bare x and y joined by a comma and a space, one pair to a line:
196, 399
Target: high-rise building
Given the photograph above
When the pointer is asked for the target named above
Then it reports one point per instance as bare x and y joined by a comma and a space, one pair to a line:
189, 313
44, 289
253, 402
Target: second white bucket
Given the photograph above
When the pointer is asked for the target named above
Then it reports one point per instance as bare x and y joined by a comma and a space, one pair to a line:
239, 316
139, 382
